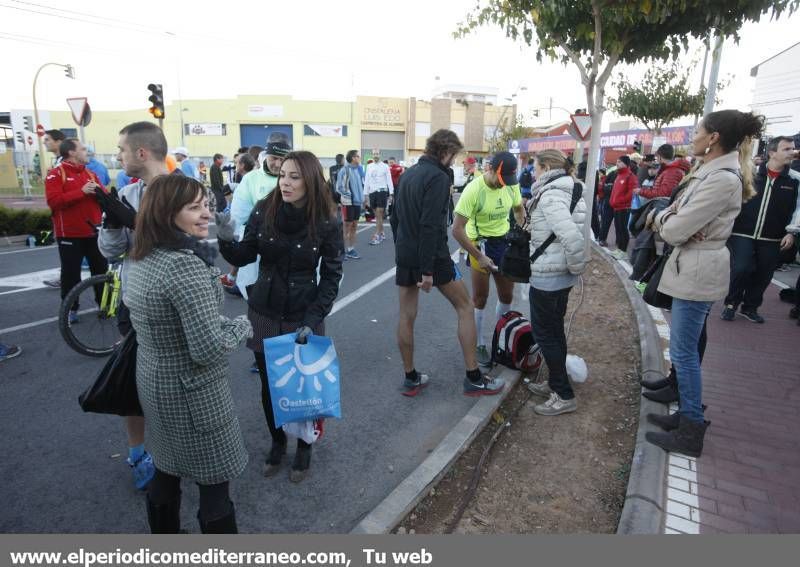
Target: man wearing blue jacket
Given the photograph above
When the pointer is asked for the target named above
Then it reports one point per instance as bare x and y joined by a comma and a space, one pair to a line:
350, 185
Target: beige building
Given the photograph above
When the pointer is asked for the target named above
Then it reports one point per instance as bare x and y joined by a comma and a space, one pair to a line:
398, 127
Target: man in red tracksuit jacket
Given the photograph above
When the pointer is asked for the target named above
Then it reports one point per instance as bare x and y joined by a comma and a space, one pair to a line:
70, 192
621, 197
669, 175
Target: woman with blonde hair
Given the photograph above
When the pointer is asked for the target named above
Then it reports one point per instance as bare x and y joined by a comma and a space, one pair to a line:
556, 209
697, 273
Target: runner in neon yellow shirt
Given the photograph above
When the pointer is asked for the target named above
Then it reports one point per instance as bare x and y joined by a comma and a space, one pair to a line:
481, 223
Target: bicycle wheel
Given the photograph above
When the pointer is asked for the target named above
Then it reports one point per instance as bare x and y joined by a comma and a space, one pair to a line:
95, 332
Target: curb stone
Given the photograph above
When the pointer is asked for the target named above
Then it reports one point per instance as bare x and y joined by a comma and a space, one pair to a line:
645, 499
391, 511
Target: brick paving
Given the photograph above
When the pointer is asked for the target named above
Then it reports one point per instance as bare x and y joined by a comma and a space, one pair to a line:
748, 478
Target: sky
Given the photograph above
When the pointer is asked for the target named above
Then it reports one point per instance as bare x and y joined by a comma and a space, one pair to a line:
310, 49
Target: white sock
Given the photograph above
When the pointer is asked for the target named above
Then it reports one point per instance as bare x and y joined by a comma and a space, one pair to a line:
479, 325
501, 309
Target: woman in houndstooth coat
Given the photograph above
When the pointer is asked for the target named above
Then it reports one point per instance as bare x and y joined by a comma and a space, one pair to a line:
174, 296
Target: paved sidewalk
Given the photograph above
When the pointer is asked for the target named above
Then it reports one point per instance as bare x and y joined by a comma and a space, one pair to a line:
748, 478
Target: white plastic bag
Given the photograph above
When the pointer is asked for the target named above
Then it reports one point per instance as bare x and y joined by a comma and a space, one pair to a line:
308, 431
576, 368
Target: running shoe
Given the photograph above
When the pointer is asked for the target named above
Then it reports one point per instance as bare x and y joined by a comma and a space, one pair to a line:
352, 255
56, 283
413, 387
375, 240
9, 351
752, 316
143, 470
382, 236
555, 405
729, 313
783, 268
486, 387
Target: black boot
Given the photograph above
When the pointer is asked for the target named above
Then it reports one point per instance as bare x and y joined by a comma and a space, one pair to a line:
273, 463
686, 439
665, 422
302, 461
658, 383
665, 395
164, 518
224, 525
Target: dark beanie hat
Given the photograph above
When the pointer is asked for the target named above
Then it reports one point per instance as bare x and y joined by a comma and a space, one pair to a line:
626, 160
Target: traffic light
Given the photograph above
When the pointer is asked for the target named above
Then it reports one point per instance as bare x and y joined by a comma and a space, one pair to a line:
156, 100
69, 71
20, 138
637, 146
536, 113
28, 121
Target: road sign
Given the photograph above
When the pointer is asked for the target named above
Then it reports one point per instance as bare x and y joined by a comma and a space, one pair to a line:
40, 130
78, 106
582, 124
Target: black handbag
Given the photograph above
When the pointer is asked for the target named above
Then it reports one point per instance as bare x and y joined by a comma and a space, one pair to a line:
515, 264
652, 277
114, 389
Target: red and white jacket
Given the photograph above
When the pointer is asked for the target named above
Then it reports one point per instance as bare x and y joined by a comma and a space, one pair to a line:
74, 212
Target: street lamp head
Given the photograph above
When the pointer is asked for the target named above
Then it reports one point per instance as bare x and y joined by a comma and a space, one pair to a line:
69, 71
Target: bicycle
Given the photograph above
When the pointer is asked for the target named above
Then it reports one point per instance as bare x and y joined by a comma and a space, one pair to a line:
93, 335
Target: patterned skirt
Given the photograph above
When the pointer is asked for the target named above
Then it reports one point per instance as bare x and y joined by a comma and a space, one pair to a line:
265, 327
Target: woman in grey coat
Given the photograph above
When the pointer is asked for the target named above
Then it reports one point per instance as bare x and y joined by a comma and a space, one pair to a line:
174, 296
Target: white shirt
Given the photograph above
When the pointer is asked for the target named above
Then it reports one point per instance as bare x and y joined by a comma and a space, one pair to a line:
378, 178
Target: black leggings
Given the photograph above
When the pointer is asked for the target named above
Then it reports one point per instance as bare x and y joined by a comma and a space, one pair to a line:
215, 500
277, 433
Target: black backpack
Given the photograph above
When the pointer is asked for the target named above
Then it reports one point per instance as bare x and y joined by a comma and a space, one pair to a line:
526, 179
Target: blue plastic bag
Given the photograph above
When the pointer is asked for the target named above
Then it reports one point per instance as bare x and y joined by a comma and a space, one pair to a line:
303, 379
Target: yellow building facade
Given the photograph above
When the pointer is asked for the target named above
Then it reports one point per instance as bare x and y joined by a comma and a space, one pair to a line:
398, 127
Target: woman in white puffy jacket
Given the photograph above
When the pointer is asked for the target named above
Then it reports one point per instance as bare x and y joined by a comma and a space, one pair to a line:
555, 270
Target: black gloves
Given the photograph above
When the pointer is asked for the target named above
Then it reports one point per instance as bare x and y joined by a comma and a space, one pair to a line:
118, 213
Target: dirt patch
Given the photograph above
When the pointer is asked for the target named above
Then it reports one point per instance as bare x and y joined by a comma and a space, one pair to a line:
564, 474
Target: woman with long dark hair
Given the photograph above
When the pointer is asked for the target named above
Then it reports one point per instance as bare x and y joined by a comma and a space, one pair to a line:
294, 230
174, 297
697, 225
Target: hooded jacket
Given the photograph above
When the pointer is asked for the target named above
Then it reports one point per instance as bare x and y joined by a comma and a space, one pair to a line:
622, 193
74, 212
669, 175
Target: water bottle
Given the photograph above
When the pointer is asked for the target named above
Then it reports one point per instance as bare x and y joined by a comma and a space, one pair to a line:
31, 241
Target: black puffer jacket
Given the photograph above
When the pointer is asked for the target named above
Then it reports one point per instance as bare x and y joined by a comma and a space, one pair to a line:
287, 286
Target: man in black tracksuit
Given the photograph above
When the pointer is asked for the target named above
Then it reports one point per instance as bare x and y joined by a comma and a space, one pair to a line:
419, 230
760, 231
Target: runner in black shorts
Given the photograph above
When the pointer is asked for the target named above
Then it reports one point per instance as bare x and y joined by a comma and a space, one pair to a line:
352, 213
419, 229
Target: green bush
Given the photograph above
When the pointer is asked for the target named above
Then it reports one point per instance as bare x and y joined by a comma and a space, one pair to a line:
14, 222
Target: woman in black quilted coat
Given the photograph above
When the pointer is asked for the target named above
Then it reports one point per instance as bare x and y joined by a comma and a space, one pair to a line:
294, 230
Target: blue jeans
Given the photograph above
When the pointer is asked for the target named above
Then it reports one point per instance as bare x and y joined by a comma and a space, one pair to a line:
688, 318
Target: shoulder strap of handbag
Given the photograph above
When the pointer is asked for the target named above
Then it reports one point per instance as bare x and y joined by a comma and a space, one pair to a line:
576, 196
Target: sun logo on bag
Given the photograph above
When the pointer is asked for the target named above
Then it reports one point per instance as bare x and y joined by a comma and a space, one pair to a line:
313, 370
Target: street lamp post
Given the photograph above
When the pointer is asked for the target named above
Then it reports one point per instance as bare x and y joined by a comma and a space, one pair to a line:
71, 75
